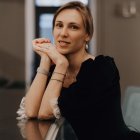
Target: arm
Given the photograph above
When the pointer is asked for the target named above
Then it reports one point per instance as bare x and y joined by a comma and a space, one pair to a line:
53, 89
52, 92
37, 88
36, 91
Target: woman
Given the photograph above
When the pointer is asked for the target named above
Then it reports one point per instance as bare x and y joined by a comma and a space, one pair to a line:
72, 83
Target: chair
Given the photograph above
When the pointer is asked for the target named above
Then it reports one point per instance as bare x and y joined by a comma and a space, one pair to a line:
131, 108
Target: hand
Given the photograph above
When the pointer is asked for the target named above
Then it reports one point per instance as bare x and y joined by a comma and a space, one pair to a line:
36, 44
39, 42
54, 55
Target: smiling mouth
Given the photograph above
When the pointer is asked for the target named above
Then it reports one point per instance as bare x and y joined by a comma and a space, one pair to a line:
63, 43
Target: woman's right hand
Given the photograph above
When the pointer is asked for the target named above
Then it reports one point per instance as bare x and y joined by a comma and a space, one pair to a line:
38, 43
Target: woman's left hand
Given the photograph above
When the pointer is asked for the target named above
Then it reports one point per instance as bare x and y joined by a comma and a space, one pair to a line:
53, 54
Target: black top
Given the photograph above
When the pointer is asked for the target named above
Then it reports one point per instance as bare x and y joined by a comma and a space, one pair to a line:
92, 105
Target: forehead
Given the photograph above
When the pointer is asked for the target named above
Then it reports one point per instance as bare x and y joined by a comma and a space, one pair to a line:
70, 15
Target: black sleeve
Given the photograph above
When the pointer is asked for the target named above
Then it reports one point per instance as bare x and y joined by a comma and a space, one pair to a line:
108, 74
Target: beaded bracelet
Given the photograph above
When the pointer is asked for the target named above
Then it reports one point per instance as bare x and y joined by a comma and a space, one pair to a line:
42, 71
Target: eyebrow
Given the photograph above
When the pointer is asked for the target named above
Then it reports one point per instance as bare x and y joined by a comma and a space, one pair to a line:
74, 23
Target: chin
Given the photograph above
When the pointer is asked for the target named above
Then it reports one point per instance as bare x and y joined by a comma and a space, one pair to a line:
62, 51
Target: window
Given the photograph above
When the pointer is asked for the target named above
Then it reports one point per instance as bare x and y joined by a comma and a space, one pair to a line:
45, 26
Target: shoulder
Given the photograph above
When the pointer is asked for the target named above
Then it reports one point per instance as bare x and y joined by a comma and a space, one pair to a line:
106, 62
101, 68
107, 67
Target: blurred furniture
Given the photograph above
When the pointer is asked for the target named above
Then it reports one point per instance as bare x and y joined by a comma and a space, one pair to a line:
131, 107
7, 83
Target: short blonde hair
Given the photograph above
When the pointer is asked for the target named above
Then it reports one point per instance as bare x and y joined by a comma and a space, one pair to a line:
85, 13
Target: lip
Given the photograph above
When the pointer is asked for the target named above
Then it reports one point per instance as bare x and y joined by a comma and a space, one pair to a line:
63, 43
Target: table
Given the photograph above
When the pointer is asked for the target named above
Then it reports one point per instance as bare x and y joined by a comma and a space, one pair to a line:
12, 129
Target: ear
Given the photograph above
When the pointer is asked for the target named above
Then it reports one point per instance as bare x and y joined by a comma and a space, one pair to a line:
87, 38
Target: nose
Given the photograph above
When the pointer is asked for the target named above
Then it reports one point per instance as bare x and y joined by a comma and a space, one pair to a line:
64, 32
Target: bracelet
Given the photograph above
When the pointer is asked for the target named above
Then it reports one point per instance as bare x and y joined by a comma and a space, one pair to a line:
59, 73
57, 80
42, 71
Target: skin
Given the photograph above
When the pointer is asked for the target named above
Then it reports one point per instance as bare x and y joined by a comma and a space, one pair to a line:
70, 36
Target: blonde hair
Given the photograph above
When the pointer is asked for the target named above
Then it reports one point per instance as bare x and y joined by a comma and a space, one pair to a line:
85, 13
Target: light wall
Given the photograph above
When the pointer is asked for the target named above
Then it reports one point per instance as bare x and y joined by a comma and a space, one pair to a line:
120, 37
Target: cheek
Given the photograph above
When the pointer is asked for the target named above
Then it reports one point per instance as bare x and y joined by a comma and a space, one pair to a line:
55, 33
79, 38
79, 35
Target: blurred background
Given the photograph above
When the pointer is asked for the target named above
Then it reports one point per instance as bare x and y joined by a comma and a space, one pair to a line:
117, 33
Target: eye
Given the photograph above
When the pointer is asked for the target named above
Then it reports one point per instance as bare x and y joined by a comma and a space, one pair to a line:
58, 25
74, 27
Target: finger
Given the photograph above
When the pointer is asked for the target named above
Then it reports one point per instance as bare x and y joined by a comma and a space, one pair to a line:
46, 45
38, 40
43, 40
42, 49
36, 48
47, 40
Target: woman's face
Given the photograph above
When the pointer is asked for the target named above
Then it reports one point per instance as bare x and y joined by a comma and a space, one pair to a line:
69, 32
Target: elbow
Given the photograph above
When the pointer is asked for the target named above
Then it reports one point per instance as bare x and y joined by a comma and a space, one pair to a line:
31, 114
45, 116
42, 116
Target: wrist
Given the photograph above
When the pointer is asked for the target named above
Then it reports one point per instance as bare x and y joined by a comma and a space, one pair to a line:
59, 73
45, 62
43, 71
63, 64
61, 67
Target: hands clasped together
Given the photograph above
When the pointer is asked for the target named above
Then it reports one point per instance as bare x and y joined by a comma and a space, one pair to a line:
47, 50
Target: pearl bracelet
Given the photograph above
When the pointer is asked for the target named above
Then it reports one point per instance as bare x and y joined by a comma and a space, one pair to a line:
42, 71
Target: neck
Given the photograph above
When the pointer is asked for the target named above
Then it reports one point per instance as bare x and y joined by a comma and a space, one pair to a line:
75, 60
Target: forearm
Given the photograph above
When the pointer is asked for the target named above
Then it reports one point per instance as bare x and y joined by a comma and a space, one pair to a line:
56, 81
36, 91
53, 90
